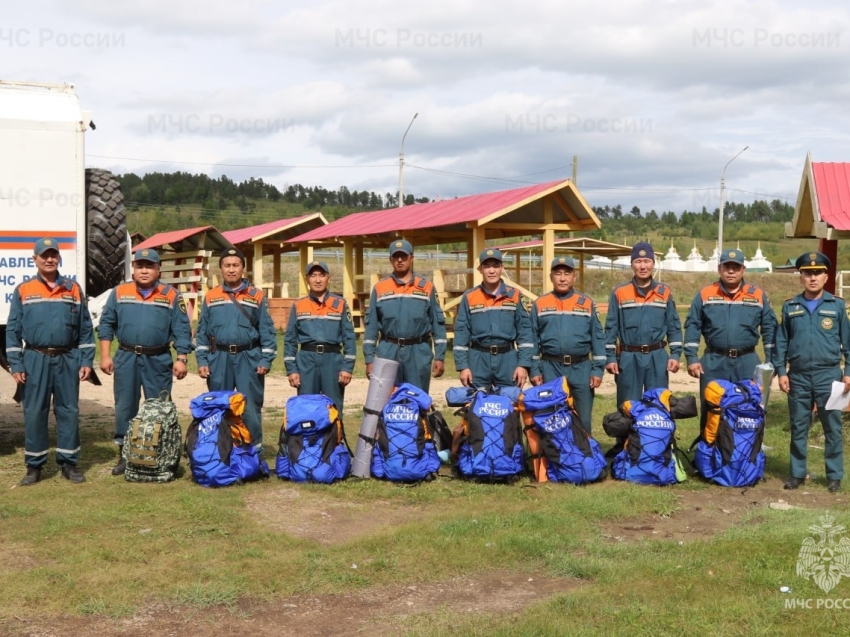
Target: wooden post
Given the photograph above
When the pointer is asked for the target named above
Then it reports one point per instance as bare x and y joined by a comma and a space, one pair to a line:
277, 291
830, 249
348, 272
477, 244
581, 272
258, 265
305, 256
359, 270
548, 243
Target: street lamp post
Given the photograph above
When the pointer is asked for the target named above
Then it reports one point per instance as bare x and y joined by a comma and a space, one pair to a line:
401, 165
723, 202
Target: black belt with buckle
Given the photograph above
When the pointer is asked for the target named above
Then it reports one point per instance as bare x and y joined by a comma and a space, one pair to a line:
732, 352
322, 348
50, 351
235, 349
645, 349
141, 350
401, 342
564, 359
492, 349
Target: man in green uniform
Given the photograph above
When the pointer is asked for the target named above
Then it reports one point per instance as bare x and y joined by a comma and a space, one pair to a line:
813, 337
570, 339
49, 314
493, 342
319, 346
403, 309
730, 314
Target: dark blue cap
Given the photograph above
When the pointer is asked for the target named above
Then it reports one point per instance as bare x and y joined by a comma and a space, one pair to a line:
732, 256
231, 252
45, 244
490, 254
643, 250
401, 245
813, 261
316, 264
146, 255
563, 262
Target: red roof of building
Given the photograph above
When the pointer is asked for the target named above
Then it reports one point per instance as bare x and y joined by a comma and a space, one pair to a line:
261, 231
176, 236
431, 215
832, 188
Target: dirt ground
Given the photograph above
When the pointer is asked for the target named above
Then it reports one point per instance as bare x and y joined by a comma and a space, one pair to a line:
383, 610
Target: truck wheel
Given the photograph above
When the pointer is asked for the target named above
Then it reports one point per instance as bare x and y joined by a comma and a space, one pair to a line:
107, 231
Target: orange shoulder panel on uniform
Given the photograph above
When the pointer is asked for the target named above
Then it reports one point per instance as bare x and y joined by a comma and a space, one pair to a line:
126, 289
216, 293
30, 287
477, 296
710, 290
546, 301
169, 292
627, 293
385, 285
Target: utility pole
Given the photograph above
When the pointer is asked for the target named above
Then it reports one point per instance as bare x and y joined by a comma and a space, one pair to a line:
401, 165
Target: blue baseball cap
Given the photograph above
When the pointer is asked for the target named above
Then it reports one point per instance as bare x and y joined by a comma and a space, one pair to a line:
643, 250
732, 256
813, 261
401, 245
316, 264
491, 254
45, 244
563, 262
146, 255
232, 252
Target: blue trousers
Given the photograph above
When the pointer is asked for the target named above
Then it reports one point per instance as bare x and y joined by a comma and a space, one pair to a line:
56, 377
414, 362
639, 372
808, 390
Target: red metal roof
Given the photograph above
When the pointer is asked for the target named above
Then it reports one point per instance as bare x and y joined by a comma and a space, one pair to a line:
428, 215
832, 187
175, 236
242, 235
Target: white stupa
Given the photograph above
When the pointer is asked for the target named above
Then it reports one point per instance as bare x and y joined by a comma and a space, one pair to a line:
713, 260
671, 261
695, 262
758, 262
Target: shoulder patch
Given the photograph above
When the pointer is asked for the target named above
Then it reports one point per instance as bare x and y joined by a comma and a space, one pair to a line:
182, 305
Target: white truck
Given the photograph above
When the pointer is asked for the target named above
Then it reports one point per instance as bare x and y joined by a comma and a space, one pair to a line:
46, 191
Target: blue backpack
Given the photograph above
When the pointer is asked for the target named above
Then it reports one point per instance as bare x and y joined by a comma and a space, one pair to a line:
218, 444
648, 456
404, 449
561, 450
487, 444
312, 442
729, 451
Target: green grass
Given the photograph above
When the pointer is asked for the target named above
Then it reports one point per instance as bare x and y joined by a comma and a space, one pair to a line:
109, 548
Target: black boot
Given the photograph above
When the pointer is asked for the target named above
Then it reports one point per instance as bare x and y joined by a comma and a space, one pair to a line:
121, 465
70, 472
33, 476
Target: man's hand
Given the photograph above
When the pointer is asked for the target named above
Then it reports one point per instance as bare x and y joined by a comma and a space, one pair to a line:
262, 371
294, 380
846, 381
369, 370
179, 369
612, 368
673, 366
20, 377
536, 380
85, 372
204, 371
107, 365
695, 370
438, 369
466, 377
520, 376
344, 378
595, 382
785, 384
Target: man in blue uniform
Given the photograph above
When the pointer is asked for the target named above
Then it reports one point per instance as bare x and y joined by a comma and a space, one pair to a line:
493, 344
237, 341
812, 339
146, 316
641, 315
730, 314
319, 346
570, 339
49, 313
403, 309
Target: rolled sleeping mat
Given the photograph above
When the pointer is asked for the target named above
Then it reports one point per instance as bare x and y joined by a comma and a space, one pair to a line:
381, 386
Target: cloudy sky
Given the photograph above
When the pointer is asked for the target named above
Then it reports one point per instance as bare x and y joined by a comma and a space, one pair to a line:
654, 97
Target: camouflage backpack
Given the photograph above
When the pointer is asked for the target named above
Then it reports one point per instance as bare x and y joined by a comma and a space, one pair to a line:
154, 441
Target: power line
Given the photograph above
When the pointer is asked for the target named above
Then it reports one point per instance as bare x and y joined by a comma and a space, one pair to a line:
209, 163
468, 176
